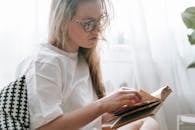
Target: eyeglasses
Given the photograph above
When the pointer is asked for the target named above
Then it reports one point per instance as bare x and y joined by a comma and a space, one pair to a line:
90, 24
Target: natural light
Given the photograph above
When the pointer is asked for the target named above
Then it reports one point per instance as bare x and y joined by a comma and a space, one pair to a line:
148, 47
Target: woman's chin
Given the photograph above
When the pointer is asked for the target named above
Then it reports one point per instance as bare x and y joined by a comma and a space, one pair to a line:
89, 44
92, 44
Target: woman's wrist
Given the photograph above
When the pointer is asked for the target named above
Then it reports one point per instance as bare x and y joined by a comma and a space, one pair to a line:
101, 106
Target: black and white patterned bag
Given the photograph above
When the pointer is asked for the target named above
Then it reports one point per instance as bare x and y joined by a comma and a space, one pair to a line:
14, 111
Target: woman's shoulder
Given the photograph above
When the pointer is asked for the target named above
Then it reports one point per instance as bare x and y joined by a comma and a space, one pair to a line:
48, 52
40, 55
47, 55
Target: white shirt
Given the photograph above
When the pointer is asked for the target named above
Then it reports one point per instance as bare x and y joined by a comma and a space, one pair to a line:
57, 82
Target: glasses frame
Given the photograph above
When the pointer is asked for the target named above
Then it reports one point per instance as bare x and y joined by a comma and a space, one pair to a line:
91, 24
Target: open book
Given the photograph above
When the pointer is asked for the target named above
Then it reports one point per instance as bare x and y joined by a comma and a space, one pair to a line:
150, 104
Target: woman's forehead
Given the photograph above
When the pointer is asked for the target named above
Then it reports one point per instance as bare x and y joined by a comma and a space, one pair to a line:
91, 9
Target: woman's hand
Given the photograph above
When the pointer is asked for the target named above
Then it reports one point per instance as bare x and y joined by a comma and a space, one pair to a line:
119, 99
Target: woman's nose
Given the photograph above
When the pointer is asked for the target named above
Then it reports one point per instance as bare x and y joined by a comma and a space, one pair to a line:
97, 29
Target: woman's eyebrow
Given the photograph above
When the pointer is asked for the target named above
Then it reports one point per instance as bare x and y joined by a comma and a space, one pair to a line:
92, 18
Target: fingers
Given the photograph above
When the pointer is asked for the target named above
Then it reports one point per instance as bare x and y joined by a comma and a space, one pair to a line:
124, 97
131, 96
135, 97
126, 88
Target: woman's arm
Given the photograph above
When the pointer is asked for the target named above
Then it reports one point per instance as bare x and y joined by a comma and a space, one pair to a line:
80, 117
76, 119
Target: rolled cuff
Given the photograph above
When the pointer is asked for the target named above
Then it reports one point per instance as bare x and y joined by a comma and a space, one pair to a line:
38, 120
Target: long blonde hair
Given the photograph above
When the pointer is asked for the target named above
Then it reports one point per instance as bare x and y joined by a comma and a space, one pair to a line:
61, 12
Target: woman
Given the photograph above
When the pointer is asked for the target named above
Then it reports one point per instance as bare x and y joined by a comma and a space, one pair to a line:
64, 83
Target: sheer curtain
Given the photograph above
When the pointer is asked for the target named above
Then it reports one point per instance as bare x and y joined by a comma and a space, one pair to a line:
152, 44
147, 47
23, 25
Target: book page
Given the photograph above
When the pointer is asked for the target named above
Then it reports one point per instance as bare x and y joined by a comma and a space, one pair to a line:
162, 93
147, 97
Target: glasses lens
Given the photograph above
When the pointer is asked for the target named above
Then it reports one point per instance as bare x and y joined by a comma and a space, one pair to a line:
89, 26
103, 20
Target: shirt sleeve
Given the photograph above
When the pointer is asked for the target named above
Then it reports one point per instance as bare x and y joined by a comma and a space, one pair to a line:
44, 93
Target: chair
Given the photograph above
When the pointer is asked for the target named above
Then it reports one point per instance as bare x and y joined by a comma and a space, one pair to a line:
187, 120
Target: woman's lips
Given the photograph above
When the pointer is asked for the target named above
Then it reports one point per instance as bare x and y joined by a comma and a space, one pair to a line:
93, 38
